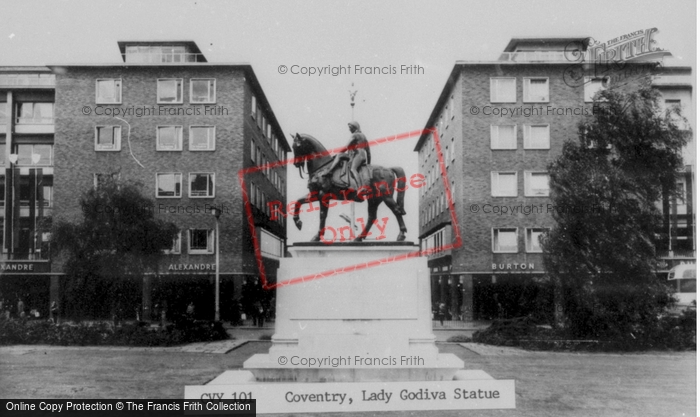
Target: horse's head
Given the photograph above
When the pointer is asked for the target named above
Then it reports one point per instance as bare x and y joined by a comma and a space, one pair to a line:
299, 147
310, 151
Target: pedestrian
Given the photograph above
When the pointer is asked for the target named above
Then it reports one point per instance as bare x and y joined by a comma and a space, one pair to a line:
442, 311
20, 308
258, 314
163, 315
190, 311
236, 313
54, 312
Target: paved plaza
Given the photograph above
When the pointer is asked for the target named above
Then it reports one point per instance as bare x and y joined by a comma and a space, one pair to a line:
546, 383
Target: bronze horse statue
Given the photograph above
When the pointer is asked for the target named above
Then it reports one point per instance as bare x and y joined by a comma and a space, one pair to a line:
378, 186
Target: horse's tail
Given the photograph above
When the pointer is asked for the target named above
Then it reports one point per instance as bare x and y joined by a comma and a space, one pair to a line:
400, 186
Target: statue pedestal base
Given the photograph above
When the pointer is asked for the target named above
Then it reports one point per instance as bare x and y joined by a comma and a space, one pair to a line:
357, 341
364, 324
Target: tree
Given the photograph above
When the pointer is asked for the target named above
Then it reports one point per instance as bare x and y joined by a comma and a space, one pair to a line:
118, 238
606, 187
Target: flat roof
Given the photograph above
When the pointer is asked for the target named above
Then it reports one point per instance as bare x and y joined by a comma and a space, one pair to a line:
191, 45
515, 41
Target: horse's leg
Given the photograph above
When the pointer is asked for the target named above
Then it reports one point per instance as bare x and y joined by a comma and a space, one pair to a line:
372, 205
322, 223
396, 209
297, 205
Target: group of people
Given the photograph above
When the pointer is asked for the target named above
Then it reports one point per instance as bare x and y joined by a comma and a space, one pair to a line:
22, 311
255, 304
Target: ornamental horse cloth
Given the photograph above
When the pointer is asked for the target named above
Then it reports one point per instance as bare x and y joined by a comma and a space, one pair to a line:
348, 177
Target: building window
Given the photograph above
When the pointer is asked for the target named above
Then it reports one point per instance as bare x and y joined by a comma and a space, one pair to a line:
260, 119
170, 91
48, 193
43, 189
169, 138
33, 155
674, 108
536, 184
505, 240
503, 90
202, 138
158, 54
271, 245
108, 138
35, 113
101, 179
203, 90
591, 86
532, 240
253, 107
536, 136
504, 184
201, 241
4, 115
681, 197
535, 90
503, 137
202, 185
108, 91
177, 245
253, 152
169, 185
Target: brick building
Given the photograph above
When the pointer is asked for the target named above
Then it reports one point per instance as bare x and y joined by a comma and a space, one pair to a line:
183, 127
500, 124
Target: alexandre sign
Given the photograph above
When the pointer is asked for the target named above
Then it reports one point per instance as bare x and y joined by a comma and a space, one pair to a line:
25, 267
192, 267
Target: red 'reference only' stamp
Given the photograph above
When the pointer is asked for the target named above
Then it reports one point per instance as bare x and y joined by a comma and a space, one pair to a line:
414, 181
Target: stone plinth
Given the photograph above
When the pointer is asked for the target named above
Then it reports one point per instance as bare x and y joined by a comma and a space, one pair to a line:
342, 316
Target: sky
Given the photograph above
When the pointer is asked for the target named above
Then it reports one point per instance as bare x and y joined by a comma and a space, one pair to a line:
268, 34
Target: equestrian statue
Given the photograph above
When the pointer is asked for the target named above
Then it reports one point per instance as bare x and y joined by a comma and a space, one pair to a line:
348, 176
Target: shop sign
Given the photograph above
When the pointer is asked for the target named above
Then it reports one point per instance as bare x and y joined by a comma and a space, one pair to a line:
192, 267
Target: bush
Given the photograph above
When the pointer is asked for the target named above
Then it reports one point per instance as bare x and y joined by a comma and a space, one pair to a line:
13, 332
459, 338
615, 311
668, 332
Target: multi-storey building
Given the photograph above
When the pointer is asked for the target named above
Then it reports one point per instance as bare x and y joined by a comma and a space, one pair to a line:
27, 96
500, 124
181, 126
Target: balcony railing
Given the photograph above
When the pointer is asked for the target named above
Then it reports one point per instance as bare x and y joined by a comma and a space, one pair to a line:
34, 120
538, 56
676, 253
162, 58
29, 80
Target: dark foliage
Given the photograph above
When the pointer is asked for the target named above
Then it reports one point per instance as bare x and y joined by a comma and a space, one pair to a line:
459, 338
29, 332
670, 332
117, 238
605, 187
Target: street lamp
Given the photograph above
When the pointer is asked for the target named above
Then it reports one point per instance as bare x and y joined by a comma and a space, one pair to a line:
216, 213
